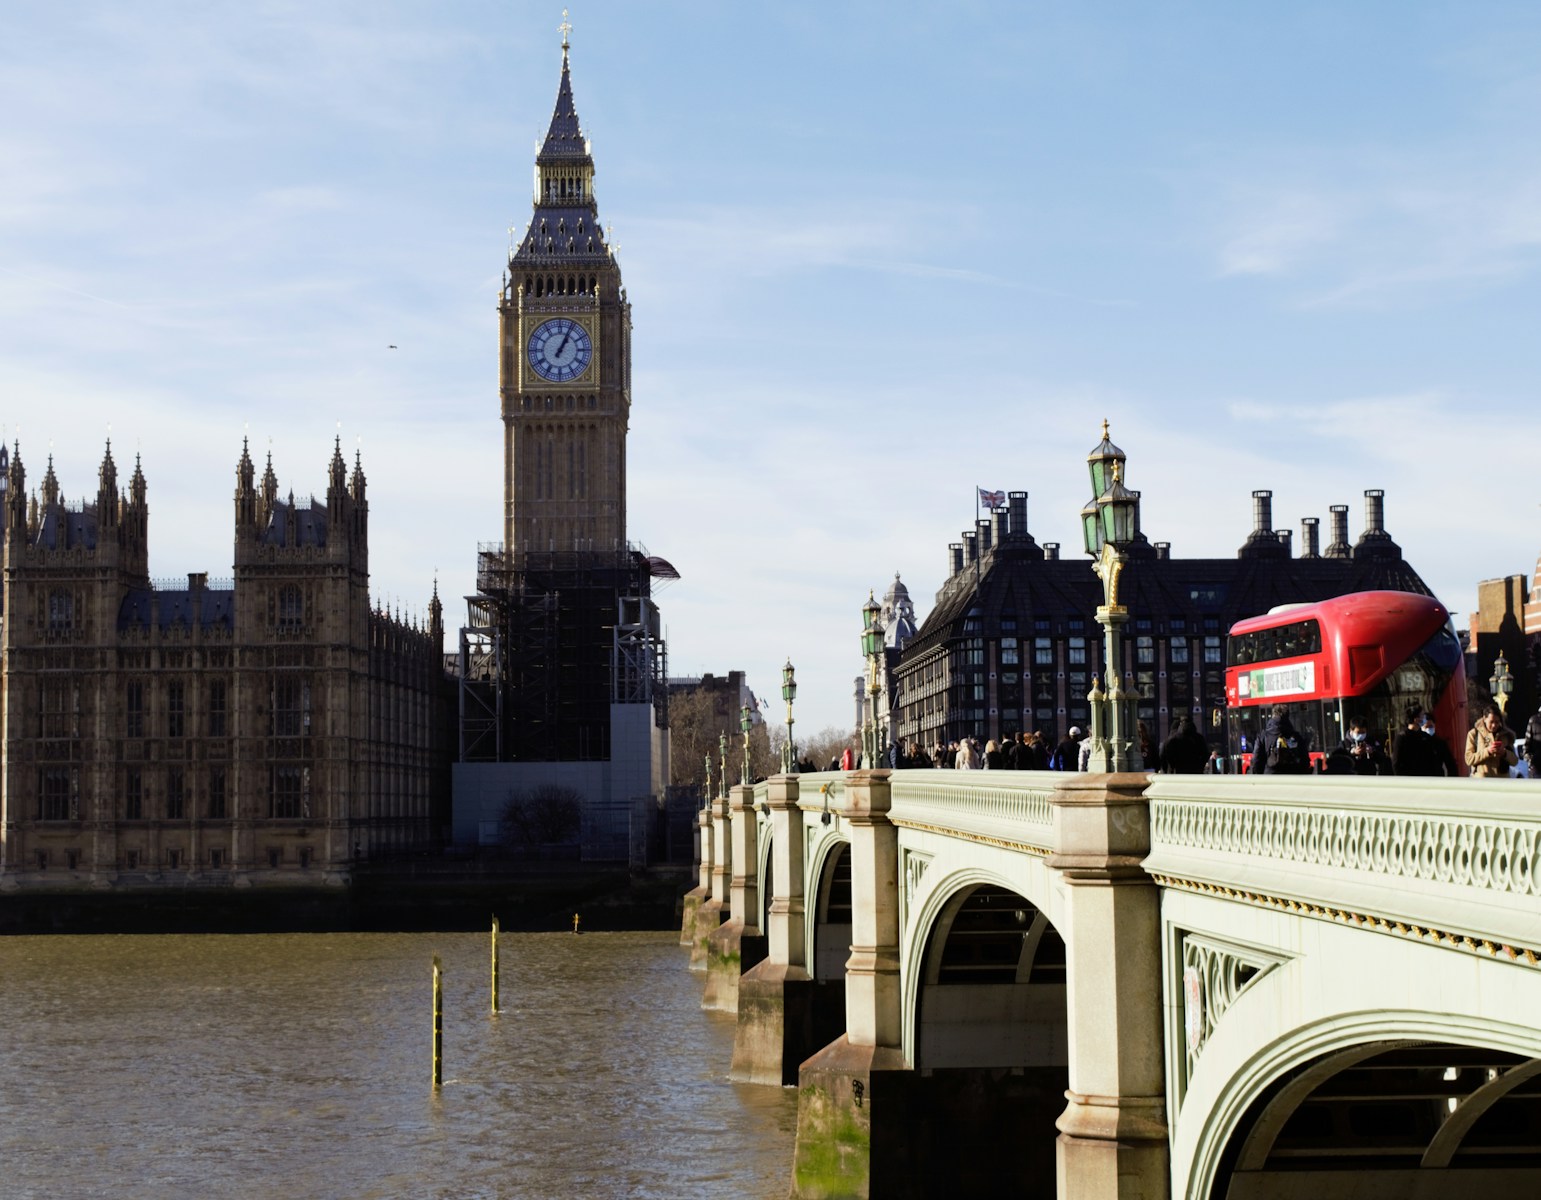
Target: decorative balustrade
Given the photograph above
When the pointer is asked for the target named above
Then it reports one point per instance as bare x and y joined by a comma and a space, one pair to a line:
1449, 860
998, 807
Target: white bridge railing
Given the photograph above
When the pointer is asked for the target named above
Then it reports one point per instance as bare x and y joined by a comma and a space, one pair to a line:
1455, 862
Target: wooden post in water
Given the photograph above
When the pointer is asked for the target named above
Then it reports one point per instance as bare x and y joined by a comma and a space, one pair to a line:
438, 1024
575, 922
494, 966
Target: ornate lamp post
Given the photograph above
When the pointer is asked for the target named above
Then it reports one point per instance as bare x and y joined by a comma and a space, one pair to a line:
744, 723
1108, 526
1502, 684
789, 694
872, 649
722, 775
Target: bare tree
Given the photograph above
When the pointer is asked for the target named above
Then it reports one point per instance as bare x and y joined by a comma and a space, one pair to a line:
825, 746
696, 722
547, 814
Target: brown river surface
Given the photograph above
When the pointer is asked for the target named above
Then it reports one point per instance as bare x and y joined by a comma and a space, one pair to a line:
300, 1066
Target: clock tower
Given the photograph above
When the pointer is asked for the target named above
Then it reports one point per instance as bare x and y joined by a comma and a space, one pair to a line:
564, 328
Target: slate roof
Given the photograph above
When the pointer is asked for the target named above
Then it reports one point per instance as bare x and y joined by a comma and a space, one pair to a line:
564, 139
310, 525
1015, 581
570, 232
209, 608
61, 528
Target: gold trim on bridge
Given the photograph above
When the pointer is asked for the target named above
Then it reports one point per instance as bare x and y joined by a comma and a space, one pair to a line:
985, 839
1455, 941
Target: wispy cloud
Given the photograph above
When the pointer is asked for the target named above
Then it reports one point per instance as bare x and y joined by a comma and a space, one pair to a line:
1382, 231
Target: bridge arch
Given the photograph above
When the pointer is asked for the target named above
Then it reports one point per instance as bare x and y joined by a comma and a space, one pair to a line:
828, 907
934, 907
986, 1028
1384, 1103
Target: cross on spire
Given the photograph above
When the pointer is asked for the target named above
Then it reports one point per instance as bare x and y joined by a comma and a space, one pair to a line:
565, 28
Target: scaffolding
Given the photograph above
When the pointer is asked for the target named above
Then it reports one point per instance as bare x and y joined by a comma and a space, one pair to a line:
551, 640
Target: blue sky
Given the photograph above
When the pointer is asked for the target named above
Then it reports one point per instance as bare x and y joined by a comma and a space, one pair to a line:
878, 255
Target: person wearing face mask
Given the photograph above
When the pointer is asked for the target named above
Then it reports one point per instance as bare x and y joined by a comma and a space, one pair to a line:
1359, 754
1490, 746
1439, 749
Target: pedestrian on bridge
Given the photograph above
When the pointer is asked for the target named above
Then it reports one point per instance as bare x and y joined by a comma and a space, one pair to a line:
1185, 752
1490, 746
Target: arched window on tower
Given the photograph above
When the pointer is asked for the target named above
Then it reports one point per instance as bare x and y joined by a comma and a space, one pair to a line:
291, 607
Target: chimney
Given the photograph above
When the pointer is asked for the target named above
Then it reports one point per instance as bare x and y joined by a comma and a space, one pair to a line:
1374, 512
984, 537
1050, 551
999, 526
1262, 513
954, 558
1016, 505
197, 581
1163, 551
1338, 547
1286, 537
1308, 538
971, 547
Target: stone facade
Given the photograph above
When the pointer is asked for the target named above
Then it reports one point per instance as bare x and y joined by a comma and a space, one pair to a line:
271, 730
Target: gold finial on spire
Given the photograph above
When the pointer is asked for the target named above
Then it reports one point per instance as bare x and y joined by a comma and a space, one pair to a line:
565, 28
1104, 429
1118, 469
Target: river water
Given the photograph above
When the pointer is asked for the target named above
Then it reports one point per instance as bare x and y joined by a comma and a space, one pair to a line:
299, 1066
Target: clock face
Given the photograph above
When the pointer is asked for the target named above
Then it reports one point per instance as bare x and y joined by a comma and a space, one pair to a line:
560, 350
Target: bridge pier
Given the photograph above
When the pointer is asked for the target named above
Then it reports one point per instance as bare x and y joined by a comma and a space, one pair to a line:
698, 894
775, 997
713, 910
738, 941
854, 1110
1113, 1133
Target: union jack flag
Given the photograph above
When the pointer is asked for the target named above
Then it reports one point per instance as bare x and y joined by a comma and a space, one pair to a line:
992, 500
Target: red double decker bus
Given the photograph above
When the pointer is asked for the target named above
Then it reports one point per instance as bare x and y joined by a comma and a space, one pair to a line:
1361, 657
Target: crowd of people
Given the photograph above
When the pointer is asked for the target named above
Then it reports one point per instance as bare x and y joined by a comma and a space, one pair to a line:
1491, 750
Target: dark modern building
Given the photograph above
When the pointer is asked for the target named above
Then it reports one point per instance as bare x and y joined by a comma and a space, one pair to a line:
1013, 642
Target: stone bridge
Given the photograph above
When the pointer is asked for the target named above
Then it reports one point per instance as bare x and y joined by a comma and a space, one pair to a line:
1020, 983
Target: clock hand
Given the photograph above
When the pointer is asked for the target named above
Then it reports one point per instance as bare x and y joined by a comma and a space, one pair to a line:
562, 345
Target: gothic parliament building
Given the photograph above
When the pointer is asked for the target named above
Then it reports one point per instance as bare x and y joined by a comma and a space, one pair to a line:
278, 728
271, 729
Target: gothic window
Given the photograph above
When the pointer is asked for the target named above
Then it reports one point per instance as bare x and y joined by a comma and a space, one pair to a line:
60, 705
54, 794
217, 708
1177, 650
1145, 684
61, 610
1077, 655
577, 470
1077, 683
1043, 652
1009, 651
291, 706
133, 709
176, 709
133, 796
1145, 650
291, 607
217, 793
1212, 649
176, 797
284, 792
